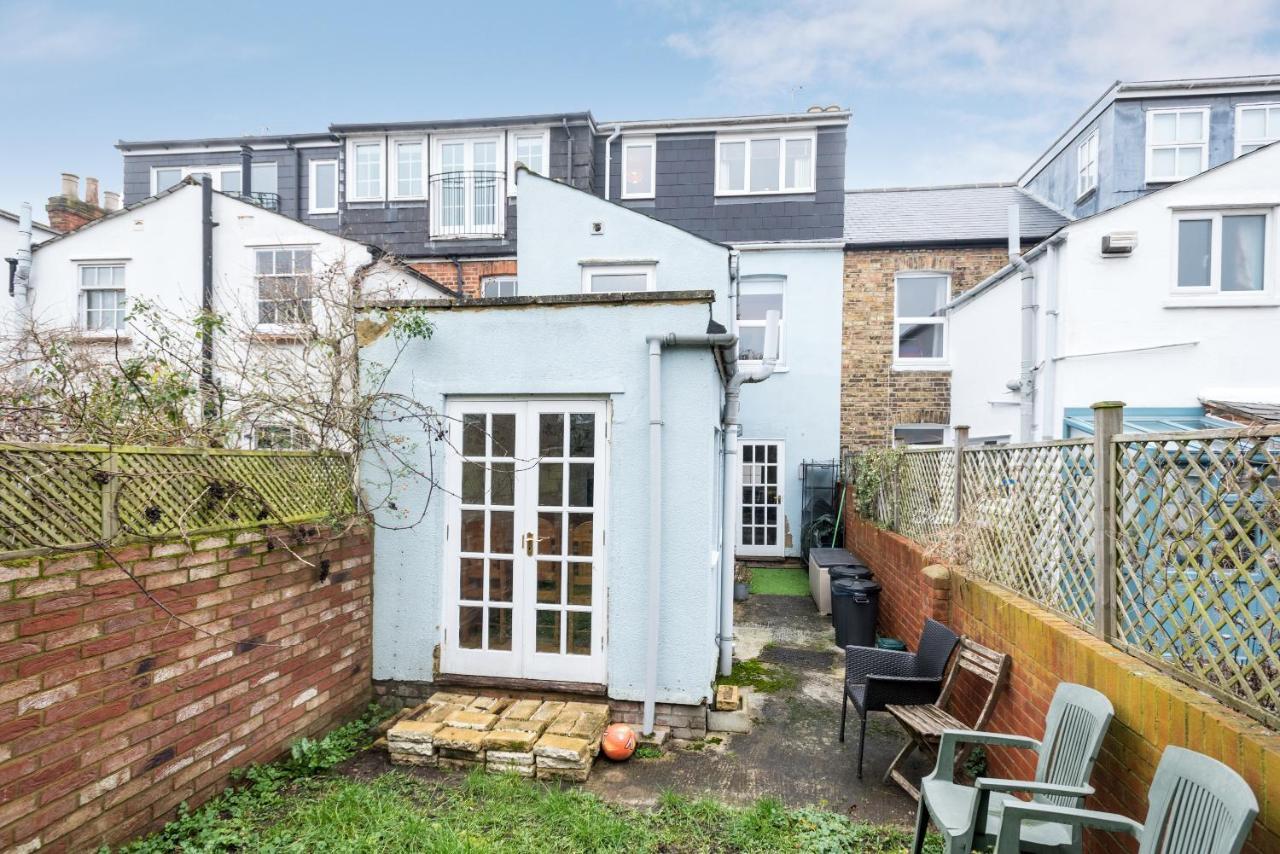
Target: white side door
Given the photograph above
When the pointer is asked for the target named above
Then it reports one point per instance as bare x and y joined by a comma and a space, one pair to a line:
760, 493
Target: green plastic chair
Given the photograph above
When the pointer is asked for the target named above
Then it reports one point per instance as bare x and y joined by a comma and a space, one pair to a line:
969, 817
1197, 806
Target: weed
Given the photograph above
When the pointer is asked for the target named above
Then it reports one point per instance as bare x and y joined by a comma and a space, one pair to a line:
754, 673
648, 751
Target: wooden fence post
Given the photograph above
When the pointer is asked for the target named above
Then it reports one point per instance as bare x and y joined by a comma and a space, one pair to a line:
110, 496
961, 432
1108, 420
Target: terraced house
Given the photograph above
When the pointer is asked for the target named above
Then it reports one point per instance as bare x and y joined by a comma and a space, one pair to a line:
440, 195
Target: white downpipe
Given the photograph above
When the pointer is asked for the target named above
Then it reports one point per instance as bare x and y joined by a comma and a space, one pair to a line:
1026, 376
1048, 392
727, 343
608, 159
22, 285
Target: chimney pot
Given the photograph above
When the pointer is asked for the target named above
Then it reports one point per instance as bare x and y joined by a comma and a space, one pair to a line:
111, 200
70, 185
91, 191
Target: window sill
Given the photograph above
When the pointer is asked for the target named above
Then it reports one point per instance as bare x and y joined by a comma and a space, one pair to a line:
326, 212
1087, 194
1216, 301
941, 367
642, 197
764, 194
280, 334
86, 337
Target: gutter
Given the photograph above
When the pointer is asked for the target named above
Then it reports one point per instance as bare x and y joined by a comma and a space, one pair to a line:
726, 343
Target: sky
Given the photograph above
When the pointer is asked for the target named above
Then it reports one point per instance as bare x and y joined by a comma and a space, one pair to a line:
942, 91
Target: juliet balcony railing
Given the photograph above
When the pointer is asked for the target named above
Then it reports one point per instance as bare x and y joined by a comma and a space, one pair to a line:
467, 205
269, 201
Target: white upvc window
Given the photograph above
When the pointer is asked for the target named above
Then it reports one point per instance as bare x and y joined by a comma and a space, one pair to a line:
226, 178
1256, 125
765, 163
498, 286
102, 298
408, 169
280, 437
164, 177
1087, 165
1225, 253
758, 295
322, 187
618, 278
366, 170
284, 286
918, 434
265, 176
530, 147
1177, 143
639, 167
919, 323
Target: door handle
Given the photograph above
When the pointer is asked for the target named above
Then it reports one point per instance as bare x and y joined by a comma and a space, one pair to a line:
528, 544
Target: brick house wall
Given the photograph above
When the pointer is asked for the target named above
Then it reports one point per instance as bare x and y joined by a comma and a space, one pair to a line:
473, 272
1152, 710
112, 712
873, 396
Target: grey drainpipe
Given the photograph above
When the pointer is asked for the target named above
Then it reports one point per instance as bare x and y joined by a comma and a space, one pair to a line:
564, 122
246, 171
608, 160
1026, 382
297, 181
727, 343
457, 268
206, 296
22, 282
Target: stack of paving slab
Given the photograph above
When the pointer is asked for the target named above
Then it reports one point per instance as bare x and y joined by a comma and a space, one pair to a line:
548, 739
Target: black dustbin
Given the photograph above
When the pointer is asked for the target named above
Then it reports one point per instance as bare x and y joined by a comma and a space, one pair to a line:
855, 604
851, 571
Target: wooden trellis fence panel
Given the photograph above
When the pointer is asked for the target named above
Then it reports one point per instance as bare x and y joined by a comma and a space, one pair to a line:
1198, 559
75, 496
1190, 541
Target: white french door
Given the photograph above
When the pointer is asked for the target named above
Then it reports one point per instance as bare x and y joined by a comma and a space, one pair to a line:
760, 509
470, 198
524, 592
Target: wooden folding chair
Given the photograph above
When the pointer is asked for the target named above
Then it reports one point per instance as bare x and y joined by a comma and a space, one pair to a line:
924, 724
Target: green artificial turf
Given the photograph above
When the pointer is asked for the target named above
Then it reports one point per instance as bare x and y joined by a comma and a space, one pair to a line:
779, 581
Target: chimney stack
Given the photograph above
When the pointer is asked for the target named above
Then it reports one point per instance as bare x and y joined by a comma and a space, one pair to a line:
67, 211
110, 201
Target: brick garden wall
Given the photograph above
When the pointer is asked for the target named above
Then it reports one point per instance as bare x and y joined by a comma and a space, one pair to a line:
1152, 710
873, 396
112, 712
473, 272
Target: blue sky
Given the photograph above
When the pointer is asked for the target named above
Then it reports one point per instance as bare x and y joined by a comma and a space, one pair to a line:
941, 90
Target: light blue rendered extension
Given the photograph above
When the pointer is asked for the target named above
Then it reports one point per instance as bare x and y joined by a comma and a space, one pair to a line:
596, 350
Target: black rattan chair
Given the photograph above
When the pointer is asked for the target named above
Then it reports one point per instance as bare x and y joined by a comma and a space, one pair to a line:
875, 678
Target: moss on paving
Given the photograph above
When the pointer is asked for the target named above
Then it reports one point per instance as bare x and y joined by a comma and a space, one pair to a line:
779, 581
754, 673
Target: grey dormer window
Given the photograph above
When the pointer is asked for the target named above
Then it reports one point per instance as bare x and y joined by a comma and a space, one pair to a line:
1177, 143
1256, 125
760, 164
1087, 165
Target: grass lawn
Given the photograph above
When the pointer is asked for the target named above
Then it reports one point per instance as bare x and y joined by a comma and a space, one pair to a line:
779, 581
305, 804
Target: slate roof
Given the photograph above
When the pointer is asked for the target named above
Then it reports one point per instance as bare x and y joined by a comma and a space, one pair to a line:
1246, 412
951, 215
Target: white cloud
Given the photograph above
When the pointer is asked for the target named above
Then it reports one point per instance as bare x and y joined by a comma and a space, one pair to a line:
1056, 48
45, 33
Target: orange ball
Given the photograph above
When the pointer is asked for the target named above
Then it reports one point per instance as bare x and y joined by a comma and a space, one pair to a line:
619, 742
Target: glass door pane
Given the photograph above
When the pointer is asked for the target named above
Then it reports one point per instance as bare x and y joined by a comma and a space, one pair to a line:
453, 183
484, 204
487, 531
760, 491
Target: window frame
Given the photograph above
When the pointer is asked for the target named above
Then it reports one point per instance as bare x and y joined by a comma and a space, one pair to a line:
353, 184
1089, 148
941, 428
509, 143
500, 278
627, 143
259, 164
783, 137
83, 290
763, 279
298, 438
213, 169
275, 325
922, 363
1266, 106
155, 178
392, 169
650, 271
312, 207
1213, 293
1149, 175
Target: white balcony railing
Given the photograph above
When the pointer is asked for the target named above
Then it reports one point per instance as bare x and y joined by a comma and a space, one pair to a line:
468, 205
